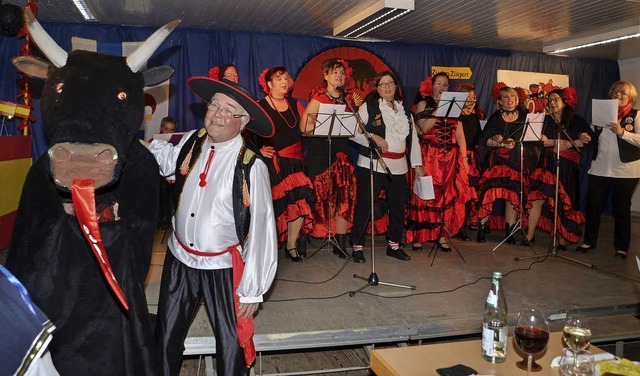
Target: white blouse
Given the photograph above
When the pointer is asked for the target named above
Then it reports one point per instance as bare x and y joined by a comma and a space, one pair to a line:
608, 163
396, 131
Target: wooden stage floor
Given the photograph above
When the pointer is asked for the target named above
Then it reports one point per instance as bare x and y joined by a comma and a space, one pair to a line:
309, 306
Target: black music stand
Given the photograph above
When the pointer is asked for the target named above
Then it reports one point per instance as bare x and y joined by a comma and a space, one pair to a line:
332, 132
517, 227
448, 105
373, 279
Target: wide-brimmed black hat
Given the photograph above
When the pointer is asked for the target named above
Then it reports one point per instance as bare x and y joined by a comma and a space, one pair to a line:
205, 87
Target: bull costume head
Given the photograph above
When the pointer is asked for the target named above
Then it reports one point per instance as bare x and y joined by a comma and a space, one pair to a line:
92, 107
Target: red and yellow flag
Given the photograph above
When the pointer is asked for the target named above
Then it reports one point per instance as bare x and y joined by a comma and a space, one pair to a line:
15, 161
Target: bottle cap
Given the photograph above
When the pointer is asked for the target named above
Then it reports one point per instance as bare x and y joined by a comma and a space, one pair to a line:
497, 275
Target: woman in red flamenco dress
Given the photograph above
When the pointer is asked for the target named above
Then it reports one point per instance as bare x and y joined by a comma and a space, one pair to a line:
291, 188
444, 150
332, 173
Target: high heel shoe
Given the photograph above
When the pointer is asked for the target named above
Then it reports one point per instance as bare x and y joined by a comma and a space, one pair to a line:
293, 255
443, 246
584, 248
301, 245
526, 242
341, 252
510, 239
482, 233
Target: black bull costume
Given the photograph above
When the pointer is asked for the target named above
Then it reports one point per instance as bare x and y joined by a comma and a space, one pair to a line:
85, 225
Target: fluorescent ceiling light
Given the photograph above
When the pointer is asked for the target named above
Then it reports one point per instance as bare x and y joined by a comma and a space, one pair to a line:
593, 40
370, 15
85, 10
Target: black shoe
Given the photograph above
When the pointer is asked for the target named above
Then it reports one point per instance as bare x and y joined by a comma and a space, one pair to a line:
443, 246
293, 255
510, 239
341, 239
357, 256
463, 234
398, 253
416, 248
621, 254
584, 248
527, 243
301, 244
562, 247
482, 233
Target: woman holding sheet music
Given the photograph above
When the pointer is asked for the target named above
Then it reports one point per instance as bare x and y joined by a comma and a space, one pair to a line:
501, 179
574, 133
615, 168
444, 151
331, 174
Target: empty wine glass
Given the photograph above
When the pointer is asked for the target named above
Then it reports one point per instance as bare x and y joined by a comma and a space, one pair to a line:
531, 335
576, 333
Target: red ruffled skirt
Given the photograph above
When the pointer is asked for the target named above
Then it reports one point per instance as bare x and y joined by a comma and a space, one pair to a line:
425, 218
335, 186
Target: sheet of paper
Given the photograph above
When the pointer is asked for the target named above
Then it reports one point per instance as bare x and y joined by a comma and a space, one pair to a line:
423, 187
603, 111
451, 99
348, 124
324, 119
534, 124
172, 138
483, 123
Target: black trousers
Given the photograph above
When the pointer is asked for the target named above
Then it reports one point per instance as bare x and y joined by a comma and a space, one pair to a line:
396, 192
181, 289
622, 191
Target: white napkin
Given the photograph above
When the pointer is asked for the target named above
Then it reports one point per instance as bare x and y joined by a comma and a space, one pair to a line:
555, 363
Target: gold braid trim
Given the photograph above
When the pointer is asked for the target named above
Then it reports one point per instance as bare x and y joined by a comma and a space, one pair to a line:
184, 166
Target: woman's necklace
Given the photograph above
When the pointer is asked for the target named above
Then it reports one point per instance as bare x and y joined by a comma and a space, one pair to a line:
280, 114
276, 99
337, 99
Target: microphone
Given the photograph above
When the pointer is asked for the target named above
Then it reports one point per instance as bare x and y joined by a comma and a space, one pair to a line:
340, 90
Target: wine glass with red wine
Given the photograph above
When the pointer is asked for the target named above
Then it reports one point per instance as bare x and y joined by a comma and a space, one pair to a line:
531, 335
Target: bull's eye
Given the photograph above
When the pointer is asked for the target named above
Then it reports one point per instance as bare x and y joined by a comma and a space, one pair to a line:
59, 87
122, 95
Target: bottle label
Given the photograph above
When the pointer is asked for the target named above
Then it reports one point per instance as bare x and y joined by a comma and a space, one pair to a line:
492, 299
487, 341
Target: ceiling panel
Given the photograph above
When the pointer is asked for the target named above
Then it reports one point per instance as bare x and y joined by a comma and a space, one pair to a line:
514, 25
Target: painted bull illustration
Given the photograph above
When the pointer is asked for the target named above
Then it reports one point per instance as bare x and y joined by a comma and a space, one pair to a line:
85, 225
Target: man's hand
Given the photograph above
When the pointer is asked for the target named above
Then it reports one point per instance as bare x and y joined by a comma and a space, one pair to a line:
247, 310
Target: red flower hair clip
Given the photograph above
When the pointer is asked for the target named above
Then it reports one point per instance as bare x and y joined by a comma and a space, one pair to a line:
495, 91
214, 73
348, 71
570, 96
262, 79
426, 87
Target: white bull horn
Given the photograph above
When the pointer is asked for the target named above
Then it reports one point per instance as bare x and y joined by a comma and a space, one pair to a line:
47, 45
139, 57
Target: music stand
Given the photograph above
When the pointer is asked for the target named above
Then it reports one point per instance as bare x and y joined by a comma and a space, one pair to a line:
445, 107
525, 137
326, 128
373, 279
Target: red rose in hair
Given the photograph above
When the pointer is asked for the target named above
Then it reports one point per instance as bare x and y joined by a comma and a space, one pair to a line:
262, 79
214, 73
426, 87
570, 96
480, 113
495, 92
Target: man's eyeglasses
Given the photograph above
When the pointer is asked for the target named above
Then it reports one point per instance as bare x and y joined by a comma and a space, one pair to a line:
386, 84
621, 92
225, 112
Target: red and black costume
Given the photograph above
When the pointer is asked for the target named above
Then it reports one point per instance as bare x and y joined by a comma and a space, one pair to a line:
339, 181
290, 186
543, 181
501, 179
472, 134
441, 159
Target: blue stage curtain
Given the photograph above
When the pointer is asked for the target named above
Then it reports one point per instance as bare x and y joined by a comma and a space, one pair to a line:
193, 52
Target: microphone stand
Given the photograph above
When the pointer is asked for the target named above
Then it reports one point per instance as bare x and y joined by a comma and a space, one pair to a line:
373, 279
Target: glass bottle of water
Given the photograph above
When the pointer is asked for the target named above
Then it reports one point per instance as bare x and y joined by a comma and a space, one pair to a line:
494, 325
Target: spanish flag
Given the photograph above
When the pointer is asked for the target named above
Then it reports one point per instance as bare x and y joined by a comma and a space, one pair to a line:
15, 161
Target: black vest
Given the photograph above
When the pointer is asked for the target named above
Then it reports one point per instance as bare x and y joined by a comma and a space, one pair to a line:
241, 183
375, 125
628, 153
